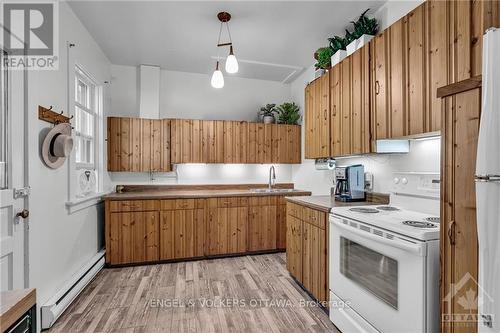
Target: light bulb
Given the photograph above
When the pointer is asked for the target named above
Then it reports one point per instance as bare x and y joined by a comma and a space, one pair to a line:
217, 78
231, 62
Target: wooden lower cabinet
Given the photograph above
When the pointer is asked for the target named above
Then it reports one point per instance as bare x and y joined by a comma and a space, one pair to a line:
140, 231
294, 247
226, 230
182, 233
262, 227
134, 237
306, 251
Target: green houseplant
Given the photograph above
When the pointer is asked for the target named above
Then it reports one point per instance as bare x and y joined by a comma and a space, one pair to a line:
267, 113
338, 45
364, 30
323, 56
288, 113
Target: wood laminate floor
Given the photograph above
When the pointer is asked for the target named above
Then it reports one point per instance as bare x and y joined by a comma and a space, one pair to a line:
239, 294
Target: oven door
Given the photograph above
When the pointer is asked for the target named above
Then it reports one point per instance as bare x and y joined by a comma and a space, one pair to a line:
379, 275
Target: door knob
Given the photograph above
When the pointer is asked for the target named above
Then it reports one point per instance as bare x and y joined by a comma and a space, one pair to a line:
23, 214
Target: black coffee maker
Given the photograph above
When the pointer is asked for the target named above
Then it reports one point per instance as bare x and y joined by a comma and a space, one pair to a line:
350, 183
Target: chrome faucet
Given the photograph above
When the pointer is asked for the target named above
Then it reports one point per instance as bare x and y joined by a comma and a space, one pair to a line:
272, 179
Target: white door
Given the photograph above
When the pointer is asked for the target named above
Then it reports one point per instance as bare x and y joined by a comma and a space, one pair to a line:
14, 227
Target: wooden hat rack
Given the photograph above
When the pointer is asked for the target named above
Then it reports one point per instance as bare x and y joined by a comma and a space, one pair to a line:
51, 116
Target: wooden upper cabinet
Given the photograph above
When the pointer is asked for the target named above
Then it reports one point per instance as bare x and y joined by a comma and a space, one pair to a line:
350, 105
409, 61
360, 101
139, 145
416, 69
317, 118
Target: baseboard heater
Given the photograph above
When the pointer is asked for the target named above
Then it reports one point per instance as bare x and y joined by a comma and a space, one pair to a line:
63, 298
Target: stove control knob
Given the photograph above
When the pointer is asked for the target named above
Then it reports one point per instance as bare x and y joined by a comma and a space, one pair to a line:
396, 180
404, 181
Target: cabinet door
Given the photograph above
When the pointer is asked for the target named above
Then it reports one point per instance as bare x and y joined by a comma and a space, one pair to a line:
314, 275
226, 229
416, 107
345, 106
360, 102
133, 237
439, 42
294, 246
380, 95
397, 87
317, 118
335, 108
262, 228
281, 226
182, 233
124, 144
264, 140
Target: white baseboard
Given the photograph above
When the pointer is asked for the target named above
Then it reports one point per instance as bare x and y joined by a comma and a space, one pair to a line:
54, 307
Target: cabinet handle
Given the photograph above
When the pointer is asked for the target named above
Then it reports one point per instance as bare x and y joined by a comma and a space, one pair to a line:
451, 233
324, 113
377, 87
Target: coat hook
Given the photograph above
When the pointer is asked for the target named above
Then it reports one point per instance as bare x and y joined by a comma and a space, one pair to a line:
71, 117
50, 107
61, 112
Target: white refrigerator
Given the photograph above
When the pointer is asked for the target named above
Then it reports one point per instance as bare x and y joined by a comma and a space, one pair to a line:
488, 188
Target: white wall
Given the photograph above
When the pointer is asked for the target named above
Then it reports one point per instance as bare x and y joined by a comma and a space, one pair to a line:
423, 156
59, 243
189, 95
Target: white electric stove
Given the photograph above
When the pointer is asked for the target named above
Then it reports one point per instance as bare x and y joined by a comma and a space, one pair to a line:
384, 260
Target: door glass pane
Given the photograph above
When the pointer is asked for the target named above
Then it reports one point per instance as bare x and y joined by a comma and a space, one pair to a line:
371, 270
3, 121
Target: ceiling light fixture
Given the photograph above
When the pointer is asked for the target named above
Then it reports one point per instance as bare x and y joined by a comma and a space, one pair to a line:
231, 62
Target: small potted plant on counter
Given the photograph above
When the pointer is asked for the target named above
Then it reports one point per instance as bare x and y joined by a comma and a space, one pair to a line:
337, 44
267, 113
323, 57
365, 29
288, 113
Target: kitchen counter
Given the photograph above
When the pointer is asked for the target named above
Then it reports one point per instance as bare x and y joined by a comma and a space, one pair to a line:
14, 304
187, 192
325, 203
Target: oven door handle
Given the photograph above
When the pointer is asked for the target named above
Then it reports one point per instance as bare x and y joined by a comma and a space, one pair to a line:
395, 242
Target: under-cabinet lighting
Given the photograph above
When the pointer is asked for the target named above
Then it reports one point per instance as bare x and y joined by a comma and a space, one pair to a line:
436, 137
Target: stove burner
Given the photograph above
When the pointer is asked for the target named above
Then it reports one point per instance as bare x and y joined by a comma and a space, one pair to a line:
433, 219
419, 224
363, 210
388, 208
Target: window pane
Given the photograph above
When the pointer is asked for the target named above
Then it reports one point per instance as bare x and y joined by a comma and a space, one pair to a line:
371, 270
82, 93
3, 121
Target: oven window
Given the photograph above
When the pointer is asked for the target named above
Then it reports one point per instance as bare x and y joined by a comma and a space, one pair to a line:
371, 270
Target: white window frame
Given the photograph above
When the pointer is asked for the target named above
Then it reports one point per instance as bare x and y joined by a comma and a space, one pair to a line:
75, 201
95, 101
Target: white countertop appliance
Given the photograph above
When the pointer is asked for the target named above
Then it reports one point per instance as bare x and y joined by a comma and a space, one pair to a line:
384, 260
488, 188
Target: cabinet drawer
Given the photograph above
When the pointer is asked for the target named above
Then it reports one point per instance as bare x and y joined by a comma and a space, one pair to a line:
262, 201
178, 204
314, 217
228, 202
294, 210
133, 205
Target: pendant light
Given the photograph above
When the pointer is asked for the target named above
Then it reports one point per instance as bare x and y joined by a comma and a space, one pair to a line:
217, 78
231, 62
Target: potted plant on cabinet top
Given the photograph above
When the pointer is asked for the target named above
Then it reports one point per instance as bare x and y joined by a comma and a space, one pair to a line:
364, 29
288, 113
337, 44
267, 112
323, 57
350, 40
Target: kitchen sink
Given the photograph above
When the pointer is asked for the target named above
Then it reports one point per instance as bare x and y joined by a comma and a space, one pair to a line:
272, 190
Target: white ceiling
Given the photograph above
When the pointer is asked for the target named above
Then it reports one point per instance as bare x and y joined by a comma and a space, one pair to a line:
273, 39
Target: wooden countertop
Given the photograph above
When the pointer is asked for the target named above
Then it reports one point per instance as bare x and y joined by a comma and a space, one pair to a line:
13, 304
325, 203
186, 194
